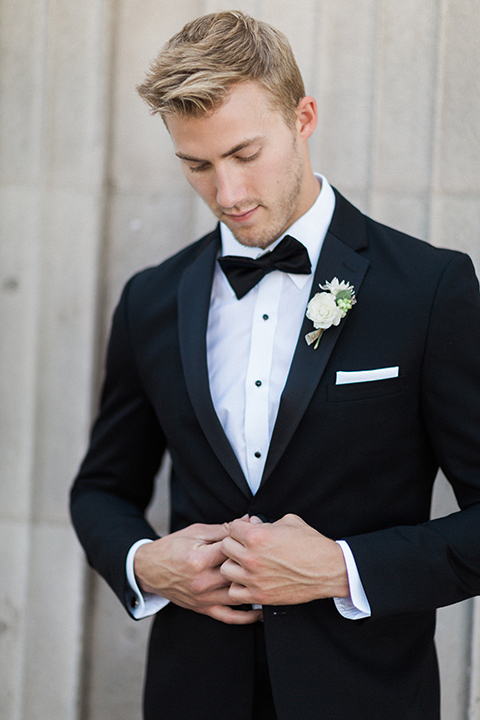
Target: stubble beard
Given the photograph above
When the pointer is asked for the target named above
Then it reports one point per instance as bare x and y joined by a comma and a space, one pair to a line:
280, 211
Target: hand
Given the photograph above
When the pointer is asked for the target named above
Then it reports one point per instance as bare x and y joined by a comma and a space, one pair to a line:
184, 567
283, 563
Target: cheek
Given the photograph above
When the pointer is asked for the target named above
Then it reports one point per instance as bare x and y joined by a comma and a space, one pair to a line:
201, 184
263, 181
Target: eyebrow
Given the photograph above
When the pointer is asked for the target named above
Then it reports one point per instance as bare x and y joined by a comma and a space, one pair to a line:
237, 148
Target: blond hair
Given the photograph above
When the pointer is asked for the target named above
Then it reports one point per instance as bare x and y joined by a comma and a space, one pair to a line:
198, 66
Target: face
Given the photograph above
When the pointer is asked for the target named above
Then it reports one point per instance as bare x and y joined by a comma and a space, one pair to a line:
251, 169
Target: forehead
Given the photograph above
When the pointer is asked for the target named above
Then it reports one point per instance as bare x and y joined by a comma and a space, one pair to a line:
246, 113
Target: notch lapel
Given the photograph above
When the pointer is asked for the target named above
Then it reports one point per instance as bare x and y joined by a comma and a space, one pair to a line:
193, 306
337, 259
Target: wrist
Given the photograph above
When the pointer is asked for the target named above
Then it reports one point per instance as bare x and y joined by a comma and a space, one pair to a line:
339, 574
141, 565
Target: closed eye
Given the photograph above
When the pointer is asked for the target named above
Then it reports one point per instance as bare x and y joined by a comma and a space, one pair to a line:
205, 166
198, 168
249, 158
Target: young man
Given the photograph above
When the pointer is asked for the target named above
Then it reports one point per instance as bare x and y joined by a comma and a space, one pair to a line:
302, 467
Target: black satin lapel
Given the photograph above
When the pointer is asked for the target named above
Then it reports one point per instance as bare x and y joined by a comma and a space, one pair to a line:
336, 260
193, 305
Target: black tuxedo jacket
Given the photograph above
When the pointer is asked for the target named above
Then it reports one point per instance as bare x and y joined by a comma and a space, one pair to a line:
355, 461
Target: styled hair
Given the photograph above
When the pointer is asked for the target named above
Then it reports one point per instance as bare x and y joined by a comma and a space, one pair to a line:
197, 67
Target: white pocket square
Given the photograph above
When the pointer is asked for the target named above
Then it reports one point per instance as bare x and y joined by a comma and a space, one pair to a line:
343, 378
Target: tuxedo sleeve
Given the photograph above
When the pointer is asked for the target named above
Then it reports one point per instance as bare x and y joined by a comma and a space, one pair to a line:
416, 568
115, 481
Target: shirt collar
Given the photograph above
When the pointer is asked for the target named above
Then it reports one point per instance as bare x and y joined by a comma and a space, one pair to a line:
310, 230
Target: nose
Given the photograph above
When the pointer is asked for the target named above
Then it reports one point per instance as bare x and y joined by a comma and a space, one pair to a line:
230, 188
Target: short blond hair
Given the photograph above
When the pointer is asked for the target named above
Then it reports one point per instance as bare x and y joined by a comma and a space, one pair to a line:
197, 67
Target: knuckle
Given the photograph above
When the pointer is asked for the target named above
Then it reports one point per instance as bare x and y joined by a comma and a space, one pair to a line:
197, 586
226, 543
195, 563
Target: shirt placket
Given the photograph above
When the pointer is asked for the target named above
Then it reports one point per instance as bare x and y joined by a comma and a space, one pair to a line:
257, 384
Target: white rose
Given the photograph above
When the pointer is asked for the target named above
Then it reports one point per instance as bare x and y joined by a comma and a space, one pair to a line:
323, 311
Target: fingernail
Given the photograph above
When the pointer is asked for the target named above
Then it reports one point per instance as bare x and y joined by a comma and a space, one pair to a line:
256, 520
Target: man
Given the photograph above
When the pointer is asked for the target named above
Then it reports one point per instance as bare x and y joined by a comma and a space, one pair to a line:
302, 574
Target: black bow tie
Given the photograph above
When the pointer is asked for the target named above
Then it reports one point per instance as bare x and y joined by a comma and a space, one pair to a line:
243, 273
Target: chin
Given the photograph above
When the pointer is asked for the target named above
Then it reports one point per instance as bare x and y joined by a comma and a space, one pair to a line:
255, 239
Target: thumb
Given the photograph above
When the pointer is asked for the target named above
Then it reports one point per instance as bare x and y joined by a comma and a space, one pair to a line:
292, 520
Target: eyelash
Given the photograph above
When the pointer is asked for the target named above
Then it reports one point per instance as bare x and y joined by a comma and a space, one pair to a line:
200, 168
248, 159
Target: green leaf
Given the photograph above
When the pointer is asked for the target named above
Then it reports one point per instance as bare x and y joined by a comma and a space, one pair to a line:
344, 295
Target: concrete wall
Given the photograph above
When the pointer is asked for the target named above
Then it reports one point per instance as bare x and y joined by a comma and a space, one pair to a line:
90, 192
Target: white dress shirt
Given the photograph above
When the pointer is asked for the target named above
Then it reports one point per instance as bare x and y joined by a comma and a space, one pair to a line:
250, 346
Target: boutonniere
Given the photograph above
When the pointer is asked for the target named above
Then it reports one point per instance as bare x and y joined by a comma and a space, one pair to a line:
328, 308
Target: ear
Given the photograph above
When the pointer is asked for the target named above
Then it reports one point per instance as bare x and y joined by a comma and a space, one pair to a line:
307, 116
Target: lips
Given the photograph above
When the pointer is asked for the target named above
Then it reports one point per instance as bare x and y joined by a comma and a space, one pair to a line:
242, 217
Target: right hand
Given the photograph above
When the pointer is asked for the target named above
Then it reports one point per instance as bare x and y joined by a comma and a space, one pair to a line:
184, 567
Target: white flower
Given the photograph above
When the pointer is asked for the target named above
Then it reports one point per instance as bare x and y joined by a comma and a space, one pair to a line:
328, 308
323, 311
335, 286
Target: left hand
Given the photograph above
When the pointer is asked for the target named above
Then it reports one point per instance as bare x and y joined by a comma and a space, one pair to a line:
283, 563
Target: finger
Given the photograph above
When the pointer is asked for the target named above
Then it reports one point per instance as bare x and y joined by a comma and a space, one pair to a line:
240, 530
207, 533
223, 597
233, 572
212, 554
206, 584
234, 617
240, 595
233, 549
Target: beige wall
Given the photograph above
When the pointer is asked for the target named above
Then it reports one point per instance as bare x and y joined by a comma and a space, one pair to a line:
90, 192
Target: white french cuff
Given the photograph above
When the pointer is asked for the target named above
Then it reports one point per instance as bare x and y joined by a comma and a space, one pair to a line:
356, 376
147, 603
356, 606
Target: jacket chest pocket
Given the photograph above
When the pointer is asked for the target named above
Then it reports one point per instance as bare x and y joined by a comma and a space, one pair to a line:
365, 390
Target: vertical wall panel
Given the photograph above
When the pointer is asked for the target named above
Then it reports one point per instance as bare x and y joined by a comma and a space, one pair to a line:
14, 543
403, 114
458, 150
455, 204
69, 232
299, 27
52, 143
22, 37
474, 665
22, 28
405, 96
344, 85
148, 195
